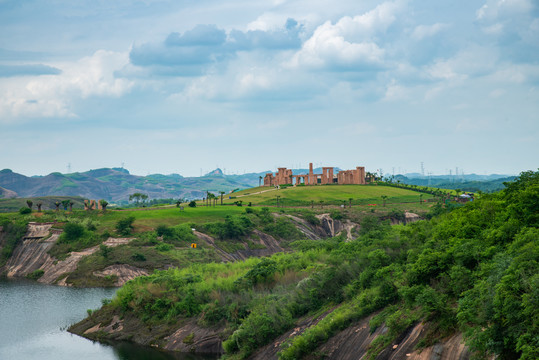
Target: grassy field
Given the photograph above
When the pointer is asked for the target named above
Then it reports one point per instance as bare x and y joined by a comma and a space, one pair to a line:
328, 194
9, 205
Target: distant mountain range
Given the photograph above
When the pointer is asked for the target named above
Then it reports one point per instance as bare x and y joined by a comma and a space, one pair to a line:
117, 184
471, 182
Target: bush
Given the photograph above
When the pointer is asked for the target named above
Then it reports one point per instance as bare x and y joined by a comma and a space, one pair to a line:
311, 218
124, 226
336, 215
192, 204
163, 230
25, 210
138, 257
36, 274
73, 231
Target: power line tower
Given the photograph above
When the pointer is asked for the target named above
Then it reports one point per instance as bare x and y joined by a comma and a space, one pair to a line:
422, 169
69, 168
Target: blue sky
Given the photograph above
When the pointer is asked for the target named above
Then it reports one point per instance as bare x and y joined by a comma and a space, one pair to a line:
183, 86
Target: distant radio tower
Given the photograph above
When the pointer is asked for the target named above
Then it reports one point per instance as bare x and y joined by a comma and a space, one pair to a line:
69, 168
123, 164
422, 169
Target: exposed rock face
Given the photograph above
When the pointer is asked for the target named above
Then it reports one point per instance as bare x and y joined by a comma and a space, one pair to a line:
328, 227
195, 339
354, 342
270, 244
124, 273
32, 255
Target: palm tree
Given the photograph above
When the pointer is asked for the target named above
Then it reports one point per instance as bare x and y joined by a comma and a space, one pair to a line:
29, 203
259, 181
350, 202
71, 203
103, 204
321, 204
222, 193
57, 203
384, 198
39, 204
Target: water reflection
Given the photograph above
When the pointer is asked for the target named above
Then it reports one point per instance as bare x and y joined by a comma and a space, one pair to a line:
34, 318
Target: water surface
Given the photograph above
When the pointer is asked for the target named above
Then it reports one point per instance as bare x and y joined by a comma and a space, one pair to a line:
34, 318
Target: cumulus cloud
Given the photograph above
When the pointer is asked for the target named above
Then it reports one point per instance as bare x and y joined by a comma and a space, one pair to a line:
52, 96
351, 43
191, 53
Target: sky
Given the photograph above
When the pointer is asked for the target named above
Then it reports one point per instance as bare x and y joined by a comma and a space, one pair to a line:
177, 86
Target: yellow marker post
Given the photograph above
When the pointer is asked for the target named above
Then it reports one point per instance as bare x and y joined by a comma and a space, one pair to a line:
193, 245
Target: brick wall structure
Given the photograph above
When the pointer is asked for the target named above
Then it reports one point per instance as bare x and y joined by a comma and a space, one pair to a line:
284, 176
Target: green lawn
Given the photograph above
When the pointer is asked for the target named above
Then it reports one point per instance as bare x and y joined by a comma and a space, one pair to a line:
329, 194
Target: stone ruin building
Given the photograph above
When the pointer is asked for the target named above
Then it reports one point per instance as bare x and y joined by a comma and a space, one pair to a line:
92, 205
284, 176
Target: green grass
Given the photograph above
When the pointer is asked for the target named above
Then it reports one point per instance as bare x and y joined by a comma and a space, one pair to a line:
329, 194
11, 205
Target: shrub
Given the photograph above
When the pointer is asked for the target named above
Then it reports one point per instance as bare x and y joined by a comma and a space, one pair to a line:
336, 215
25, 210
311, 218
73, 231
138, 257
36, 274
192, 204
163, 230
124, 226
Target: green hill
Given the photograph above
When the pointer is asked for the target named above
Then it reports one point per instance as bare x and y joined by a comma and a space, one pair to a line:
328, 194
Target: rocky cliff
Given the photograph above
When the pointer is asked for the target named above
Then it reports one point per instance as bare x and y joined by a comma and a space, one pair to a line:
32, 254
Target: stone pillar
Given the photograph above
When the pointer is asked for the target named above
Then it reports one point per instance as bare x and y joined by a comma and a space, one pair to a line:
361, 170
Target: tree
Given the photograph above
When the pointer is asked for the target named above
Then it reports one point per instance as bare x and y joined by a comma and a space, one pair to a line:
193, 204
71, 203
210, 198
384, 198
29, 203
222, 193
259, 181
350, 202
39, 204
138, 198
420, 198
65, 203
103, 204
57, 204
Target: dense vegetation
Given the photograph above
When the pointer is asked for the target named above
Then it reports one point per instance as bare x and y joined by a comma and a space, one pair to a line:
12, 233
474, 269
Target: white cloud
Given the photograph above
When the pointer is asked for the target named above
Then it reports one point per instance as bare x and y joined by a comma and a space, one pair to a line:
350, 43
52, 96
328, 48
494, 9
424, 31
474, 61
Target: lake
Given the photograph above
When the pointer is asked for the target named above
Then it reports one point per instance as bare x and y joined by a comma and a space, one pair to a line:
34, 318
